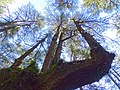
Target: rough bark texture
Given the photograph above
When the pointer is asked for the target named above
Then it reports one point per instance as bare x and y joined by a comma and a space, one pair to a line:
67, 76
75, 74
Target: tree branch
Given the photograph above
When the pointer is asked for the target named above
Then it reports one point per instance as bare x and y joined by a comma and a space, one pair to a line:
71, 75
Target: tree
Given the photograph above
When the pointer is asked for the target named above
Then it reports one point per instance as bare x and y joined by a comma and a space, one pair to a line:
71, 32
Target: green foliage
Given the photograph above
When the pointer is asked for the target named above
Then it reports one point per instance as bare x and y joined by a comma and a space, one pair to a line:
66, 4
13, 30
32, 67
3, 3
101, 4
76, 49
98, 3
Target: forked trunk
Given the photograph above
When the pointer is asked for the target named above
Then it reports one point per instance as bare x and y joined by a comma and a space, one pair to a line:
71, 75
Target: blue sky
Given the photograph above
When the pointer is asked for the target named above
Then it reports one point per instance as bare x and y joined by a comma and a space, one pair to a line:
39, 4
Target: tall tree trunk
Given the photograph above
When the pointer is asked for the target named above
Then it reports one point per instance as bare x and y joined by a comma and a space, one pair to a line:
58, 50
51, 51
89, 38
18, 61
97, 51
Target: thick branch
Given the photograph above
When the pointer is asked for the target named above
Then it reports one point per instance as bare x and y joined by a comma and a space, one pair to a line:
18, 61
71, 75
15, 22
9, 25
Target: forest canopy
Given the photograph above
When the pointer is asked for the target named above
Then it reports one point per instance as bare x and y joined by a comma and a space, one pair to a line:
66, 45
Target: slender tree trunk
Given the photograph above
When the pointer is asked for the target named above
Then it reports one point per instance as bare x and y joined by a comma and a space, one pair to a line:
58, 50
18, 61
90, 40
51, 51
81, 88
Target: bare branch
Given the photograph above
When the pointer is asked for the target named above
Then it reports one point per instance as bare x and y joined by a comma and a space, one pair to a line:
114, 81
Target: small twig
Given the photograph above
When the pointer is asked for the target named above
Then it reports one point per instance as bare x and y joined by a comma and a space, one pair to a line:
115, 75
116, 72
102, 35
114, 81
68, 37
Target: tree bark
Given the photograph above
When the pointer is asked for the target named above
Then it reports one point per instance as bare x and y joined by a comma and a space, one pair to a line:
67, 76
71, 75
